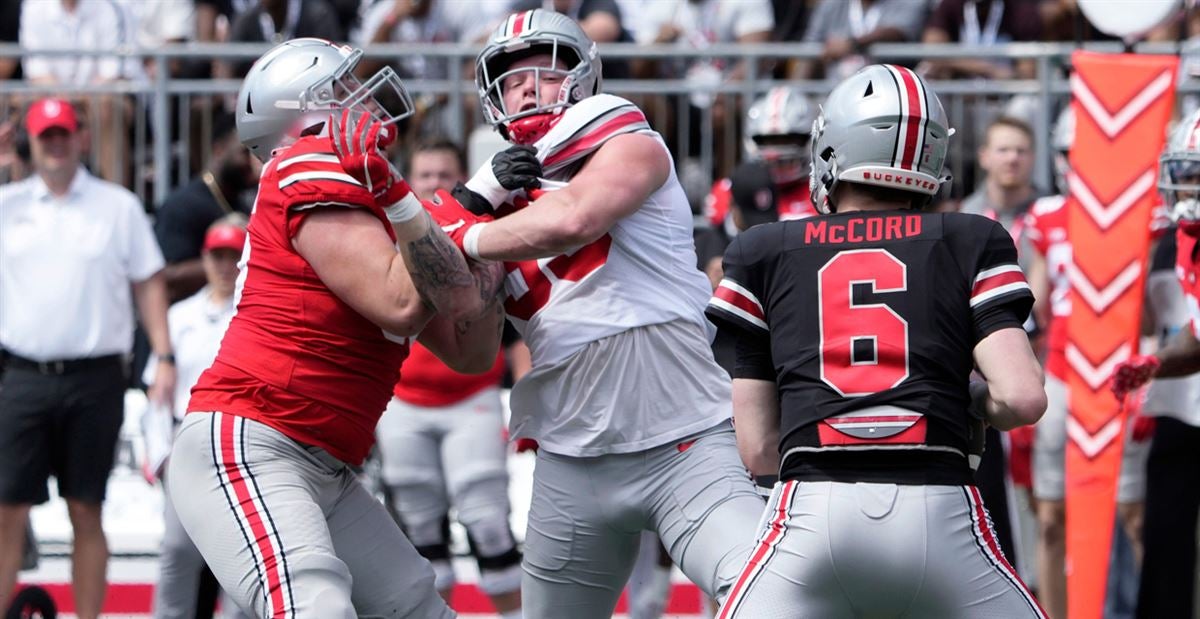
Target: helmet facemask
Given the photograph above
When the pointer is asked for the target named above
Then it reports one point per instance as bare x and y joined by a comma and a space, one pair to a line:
383, 96
786, 156
1179, 183
564, 70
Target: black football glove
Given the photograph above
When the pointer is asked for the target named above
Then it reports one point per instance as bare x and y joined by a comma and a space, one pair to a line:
471, 201
517, 167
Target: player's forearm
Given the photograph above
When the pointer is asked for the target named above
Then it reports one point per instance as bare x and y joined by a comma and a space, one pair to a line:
549, 226
1180, 357
150, 296
439, 271
756, 424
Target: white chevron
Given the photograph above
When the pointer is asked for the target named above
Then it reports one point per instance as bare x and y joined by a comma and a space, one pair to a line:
1112, 124
1095, 375
1092, 444
1099, 300
1106, 214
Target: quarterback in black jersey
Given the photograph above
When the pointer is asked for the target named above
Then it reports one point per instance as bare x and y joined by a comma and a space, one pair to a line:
857, 335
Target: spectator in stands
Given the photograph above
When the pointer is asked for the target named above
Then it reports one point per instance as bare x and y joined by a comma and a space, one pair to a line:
847, 27
186, 214
441, 442
1006, 158
94, 25
426, 21
982, 22
697, 25
74, 248
197, 325
10, 32
275, 21
600, 20
160, 23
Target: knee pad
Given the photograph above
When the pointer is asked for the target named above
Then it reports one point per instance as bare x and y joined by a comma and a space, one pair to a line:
492, 542
497, 555
429, 533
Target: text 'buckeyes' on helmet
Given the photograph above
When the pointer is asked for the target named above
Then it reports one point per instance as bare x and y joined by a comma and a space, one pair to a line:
297, 83
1179, 173
778, 128
572, 61
881, 126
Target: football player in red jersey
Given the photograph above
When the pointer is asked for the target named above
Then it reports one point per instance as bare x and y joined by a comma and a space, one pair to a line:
1166, 588
342, 268
858, 331
629, 408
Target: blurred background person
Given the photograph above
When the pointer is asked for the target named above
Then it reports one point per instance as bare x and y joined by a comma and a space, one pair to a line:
184, 589
982, 23
847, 27
183, 219
77, 255
93, 25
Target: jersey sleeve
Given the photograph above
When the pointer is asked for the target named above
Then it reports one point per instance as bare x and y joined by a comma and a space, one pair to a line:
1000, 296
738, 300
310, 177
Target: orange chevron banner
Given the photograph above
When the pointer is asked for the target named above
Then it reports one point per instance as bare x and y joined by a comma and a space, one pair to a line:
1122, 104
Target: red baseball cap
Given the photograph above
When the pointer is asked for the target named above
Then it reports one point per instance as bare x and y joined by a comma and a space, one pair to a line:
225, 236
48, 113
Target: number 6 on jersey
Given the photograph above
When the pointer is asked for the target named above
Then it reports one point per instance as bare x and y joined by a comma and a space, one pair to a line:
864, 346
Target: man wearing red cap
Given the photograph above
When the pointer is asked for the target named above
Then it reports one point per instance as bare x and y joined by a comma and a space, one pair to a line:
72, 249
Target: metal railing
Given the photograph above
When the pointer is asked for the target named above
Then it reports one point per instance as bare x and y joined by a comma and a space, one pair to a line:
163, 105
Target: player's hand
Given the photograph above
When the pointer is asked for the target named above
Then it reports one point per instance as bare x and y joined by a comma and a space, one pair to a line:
359, 140
517, 167
512, 170
1133, 373
455, 220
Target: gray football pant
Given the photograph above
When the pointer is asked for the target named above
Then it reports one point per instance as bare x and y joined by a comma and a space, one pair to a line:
179, 568
588, 514
288, 530
844, 550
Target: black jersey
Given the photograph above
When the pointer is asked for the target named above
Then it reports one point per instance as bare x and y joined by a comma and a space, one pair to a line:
869, 321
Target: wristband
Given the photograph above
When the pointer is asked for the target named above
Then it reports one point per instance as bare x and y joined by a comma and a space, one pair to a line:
487, 185
471, 240
404, 209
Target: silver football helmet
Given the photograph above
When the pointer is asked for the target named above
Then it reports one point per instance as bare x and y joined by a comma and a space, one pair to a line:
297, 83
1179, 172
573, 59
778, 128
881, 126
1061, 138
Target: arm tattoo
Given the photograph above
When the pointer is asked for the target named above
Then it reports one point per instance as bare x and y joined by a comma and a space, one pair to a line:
490, 276
436, 265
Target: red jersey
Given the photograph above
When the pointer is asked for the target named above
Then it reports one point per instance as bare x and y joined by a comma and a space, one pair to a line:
1187, 264
295, 356
1045, 226
426, 381
793, 202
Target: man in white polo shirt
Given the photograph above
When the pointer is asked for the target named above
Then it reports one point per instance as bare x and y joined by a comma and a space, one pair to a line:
76, 253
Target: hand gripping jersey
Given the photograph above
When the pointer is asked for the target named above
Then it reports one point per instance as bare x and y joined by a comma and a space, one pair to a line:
295, 356
642, 272
872, 319
1046, 228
